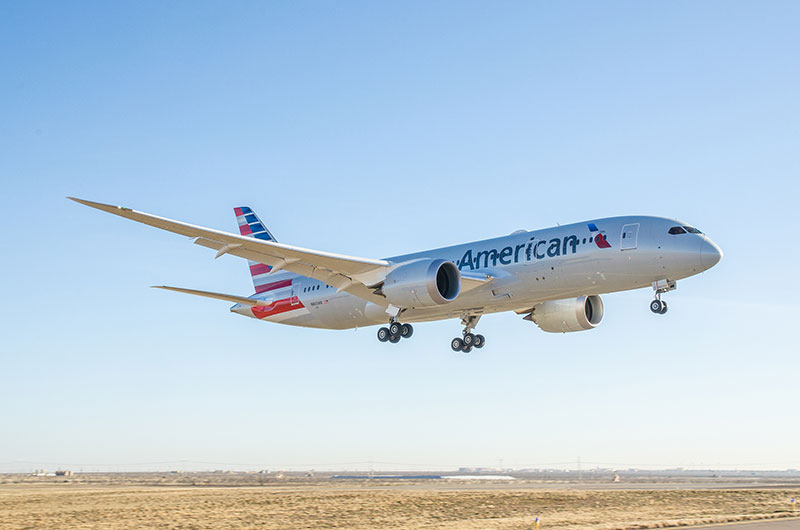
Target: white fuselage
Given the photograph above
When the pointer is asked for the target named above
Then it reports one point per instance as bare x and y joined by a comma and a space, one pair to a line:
527, 268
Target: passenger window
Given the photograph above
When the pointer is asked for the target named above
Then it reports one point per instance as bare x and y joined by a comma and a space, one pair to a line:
675, 230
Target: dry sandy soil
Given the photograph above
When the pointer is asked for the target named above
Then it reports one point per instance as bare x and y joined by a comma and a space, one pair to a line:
361, 505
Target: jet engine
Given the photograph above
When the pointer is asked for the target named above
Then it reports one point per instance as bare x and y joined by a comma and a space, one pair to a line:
421, 283
572, 314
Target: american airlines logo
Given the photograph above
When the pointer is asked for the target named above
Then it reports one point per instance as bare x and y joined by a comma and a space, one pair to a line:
532, 250
600, 238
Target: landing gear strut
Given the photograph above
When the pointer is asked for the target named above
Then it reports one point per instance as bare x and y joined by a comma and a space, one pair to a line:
395, 332
659, 306
469, 340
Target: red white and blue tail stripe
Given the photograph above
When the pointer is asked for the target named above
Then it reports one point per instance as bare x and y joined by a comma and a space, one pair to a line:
284, 303
250, 225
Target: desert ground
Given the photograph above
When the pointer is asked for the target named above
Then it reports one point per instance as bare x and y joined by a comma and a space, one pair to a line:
231, 502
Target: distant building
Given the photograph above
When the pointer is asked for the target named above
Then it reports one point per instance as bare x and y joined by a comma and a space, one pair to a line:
478, 470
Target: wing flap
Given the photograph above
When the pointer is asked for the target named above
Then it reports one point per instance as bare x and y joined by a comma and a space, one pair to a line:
305, 267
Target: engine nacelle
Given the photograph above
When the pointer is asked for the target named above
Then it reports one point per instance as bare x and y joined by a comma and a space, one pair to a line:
572, 314
421, 283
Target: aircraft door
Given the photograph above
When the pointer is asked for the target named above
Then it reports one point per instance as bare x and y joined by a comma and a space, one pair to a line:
628, 238
295, 298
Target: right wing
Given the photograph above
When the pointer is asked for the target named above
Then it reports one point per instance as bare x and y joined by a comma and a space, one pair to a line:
357, 276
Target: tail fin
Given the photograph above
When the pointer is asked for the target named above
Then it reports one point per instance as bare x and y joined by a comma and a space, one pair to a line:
250, 225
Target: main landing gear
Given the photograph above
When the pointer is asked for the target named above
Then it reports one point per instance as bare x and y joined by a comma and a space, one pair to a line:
395, 332
659, 306
469, 340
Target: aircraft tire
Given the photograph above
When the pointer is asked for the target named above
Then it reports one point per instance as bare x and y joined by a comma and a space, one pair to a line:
469, 339
383, 334
656, 306
466, 349
480, 341
664, 308
406, 331
395, 328
457, 344
394, 339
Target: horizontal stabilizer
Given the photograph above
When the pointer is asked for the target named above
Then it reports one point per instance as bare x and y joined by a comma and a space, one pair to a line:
219, 296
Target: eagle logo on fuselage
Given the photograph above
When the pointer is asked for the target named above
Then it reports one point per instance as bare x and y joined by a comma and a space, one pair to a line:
600, 238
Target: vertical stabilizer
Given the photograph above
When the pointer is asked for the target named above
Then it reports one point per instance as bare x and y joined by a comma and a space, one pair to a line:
250, 225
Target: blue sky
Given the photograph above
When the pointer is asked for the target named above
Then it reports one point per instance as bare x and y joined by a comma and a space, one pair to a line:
376, 129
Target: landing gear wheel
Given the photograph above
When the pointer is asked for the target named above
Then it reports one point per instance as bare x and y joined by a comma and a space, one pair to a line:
395, 328
394, 339
469, 339
467, 349
664, 308
383, 334
406, 330
457, 344
657, 306
480, 341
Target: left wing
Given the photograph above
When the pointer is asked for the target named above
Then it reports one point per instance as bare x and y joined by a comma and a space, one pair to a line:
357, 276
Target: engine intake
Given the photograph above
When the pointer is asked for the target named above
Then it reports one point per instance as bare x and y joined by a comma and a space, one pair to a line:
572, 314
422, 283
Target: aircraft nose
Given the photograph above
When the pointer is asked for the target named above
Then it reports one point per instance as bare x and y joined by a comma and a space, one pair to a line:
710, 253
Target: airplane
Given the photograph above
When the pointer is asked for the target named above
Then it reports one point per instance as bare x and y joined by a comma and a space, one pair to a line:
553, 277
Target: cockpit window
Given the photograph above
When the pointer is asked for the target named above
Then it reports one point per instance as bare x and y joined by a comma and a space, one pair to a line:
675, 230
692, 230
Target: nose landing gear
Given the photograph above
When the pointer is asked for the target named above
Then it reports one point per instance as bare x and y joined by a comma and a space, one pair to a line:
658, 306
469, 340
